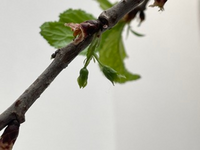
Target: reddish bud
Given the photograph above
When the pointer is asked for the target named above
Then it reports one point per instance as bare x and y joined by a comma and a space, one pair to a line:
82, 30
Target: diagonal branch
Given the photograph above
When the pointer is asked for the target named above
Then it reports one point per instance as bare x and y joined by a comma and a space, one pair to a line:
63, 57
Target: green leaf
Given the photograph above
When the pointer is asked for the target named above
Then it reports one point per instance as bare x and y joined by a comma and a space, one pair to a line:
56, 34
104, 4
75, 16
112, 52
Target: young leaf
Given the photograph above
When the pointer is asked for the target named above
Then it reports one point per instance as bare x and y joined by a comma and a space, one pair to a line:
104, 4
75, 16
112, 52
56, 34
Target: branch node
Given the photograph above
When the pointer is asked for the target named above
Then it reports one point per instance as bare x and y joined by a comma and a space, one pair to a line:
55, 53
84, 29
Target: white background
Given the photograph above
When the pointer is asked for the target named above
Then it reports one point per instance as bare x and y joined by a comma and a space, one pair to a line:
161, 111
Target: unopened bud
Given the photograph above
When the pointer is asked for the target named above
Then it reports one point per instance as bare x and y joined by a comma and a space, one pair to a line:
111, 74
82, 79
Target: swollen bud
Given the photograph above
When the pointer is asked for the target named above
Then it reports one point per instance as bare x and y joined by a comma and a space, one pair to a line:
82, 79
111, 74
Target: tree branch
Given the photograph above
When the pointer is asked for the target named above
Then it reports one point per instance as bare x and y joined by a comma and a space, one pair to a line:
63, 57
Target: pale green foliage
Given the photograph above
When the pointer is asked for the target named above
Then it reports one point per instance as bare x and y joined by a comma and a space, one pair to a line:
58, 35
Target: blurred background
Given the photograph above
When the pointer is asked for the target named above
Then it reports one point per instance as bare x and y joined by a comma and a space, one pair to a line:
159, 111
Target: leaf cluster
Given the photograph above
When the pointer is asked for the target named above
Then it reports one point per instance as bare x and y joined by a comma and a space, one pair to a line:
108, 50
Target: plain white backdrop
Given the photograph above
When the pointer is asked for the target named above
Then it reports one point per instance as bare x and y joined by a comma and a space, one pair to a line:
161, 111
